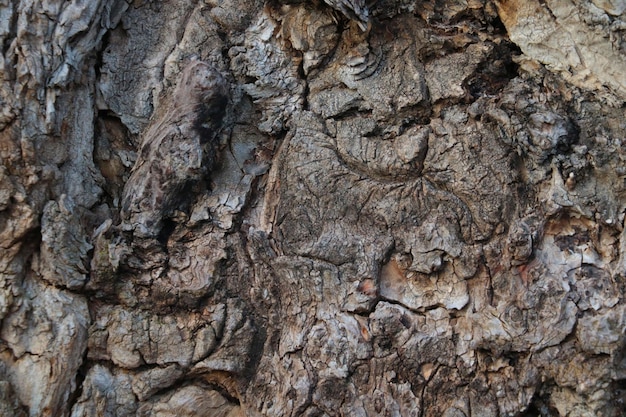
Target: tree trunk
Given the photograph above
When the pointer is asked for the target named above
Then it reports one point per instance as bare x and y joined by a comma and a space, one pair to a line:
307, 208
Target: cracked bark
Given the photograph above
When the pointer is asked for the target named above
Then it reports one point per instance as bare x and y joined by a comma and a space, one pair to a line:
302, 208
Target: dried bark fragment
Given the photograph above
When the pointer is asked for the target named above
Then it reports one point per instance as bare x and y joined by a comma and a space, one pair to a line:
567, 38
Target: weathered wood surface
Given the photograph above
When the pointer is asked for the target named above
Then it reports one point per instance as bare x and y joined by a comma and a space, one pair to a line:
307, 208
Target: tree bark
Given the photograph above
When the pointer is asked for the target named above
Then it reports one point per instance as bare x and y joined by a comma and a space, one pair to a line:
306, 208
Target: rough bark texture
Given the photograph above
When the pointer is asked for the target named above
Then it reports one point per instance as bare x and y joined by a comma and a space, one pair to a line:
307, 208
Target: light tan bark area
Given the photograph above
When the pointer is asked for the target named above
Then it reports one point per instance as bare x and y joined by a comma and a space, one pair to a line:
312, 208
